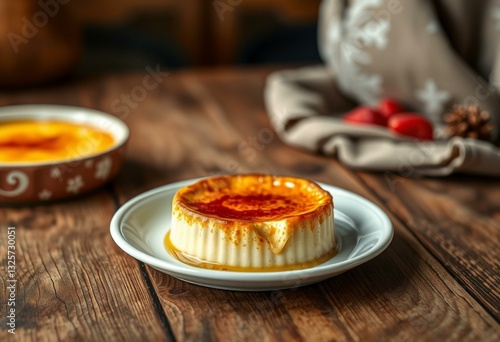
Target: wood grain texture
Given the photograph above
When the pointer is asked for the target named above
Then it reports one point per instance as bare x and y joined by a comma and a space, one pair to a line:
458, 220
67, 273
77, 285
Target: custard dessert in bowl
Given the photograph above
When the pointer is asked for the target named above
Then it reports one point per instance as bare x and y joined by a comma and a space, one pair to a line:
51, 152
252, 223
46, 141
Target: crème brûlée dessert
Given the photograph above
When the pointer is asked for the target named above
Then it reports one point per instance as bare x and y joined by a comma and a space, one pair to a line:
252, 223
33, 141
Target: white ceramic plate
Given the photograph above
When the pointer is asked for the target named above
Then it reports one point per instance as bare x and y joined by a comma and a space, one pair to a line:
140, 225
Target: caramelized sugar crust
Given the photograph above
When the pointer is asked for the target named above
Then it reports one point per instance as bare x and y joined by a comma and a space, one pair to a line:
255, 198
47, 141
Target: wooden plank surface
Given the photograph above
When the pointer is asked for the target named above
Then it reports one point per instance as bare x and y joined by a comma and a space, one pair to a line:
67, 272
76, 284
458, 220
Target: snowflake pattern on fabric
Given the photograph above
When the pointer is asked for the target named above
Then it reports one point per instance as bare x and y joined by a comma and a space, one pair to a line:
434, 99
348, 43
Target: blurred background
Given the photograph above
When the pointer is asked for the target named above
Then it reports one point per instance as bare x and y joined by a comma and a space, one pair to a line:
47, 39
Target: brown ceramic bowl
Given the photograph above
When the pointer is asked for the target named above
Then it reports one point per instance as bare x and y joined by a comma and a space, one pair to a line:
42, 181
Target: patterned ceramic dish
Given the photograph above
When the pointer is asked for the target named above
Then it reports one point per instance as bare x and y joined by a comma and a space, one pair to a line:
77, 172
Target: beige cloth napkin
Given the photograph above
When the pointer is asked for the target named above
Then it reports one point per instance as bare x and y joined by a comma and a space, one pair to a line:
426, 54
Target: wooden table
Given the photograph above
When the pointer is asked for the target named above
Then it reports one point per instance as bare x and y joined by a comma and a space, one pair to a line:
438, 280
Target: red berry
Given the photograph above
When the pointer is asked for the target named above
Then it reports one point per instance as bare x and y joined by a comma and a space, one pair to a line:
365, 115
411, 124
388, 108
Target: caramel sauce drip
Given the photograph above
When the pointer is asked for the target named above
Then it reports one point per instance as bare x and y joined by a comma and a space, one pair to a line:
196, 262
48, 141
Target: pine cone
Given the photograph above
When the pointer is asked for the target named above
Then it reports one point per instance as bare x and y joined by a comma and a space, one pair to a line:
468, 122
